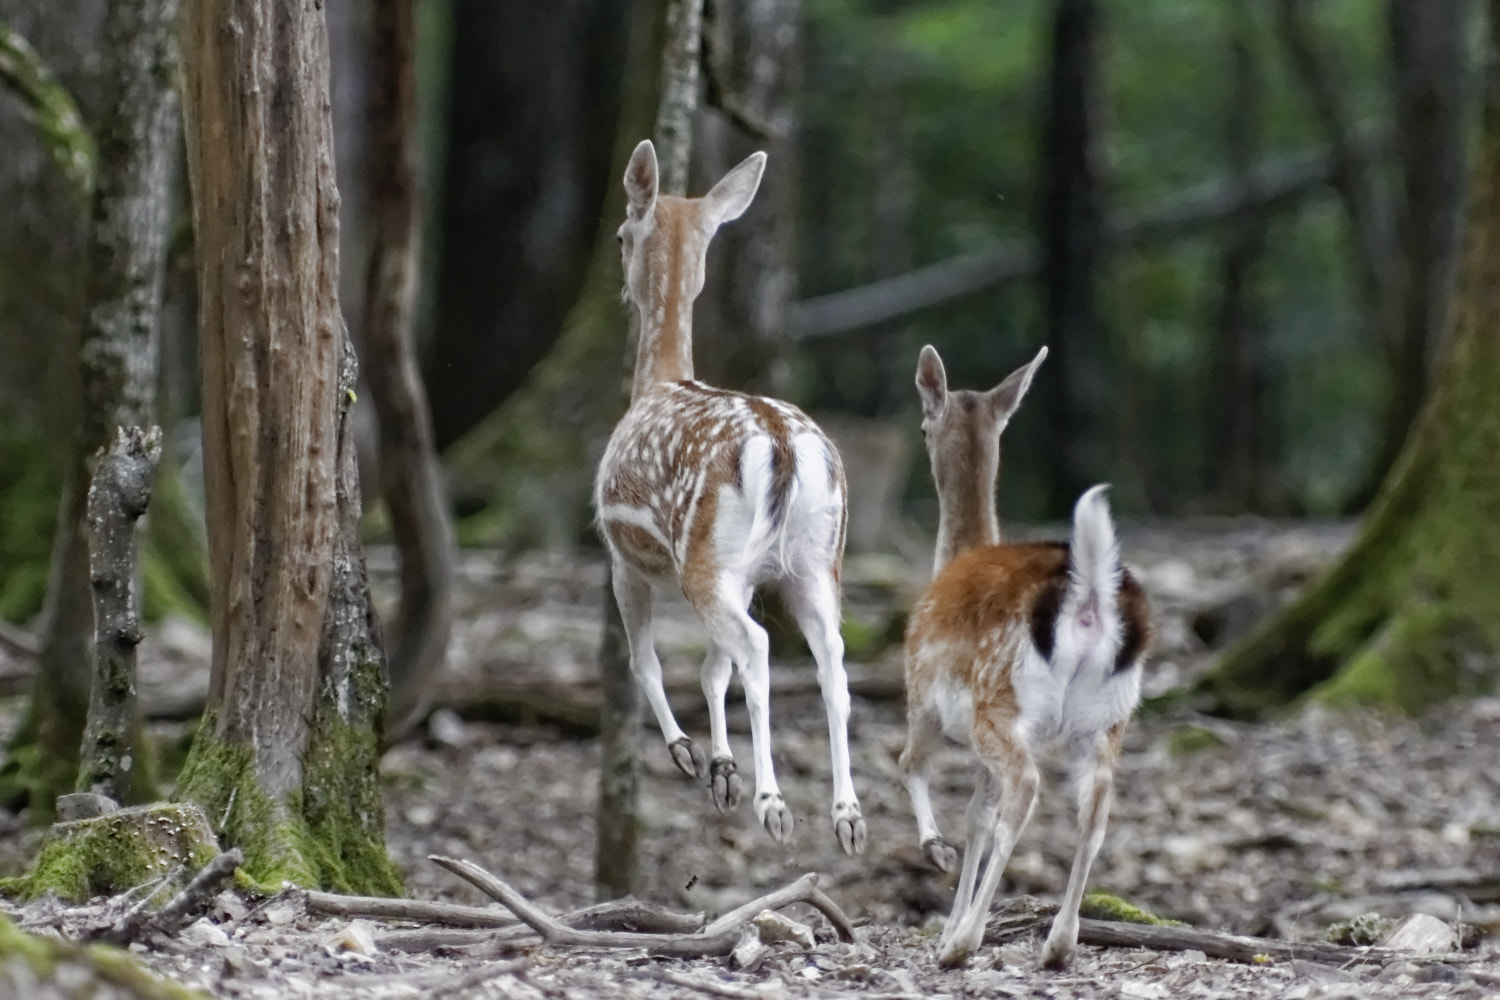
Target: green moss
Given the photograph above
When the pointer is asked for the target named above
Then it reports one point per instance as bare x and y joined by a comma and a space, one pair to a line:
91, 966
332, 841
30, 482
1361, 931
108, 854
1189, 740
1107, 906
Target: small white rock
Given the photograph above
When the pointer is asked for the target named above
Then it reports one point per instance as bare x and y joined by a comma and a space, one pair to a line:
773, 927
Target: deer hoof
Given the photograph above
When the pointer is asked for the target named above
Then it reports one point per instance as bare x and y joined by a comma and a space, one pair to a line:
724, 783
960, 947
941, 853
849, 827
774, 816
688, 757
1055, 954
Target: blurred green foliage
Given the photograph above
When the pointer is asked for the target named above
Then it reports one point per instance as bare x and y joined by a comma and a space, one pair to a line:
949, 92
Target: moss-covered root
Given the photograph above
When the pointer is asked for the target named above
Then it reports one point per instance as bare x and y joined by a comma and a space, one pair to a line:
109, 854
32, 966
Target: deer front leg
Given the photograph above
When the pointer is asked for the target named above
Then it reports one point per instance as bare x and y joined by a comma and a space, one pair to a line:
1095, 791
633, 596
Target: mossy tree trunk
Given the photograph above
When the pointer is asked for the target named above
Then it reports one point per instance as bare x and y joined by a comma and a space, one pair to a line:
136, 135
285, 759
1411, 613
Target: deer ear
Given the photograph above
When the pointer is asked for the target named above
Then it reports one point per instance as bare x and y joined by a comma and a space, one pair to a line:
641, 179
1006, 396
932, 382
728, 199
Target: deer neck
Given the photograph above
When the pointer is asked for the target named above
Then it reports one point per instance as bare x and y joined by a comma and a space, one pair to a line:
966, 506
664, 306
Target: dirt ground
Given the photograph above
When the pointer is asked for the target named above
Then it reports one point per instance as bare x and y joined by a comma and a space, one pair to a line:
1278, 829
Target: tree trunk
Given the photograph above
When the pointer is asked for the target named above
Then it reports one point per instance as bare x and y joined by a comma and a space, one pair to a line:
1072, 233
740, 328
136, 136
534, 102
410, 479
620, 717
285, 758
1237, 455
1407, 616
1431, 83
118, 497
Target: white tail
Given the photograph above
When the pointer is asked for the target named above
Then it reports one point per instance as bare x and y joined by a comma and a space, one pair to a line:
719, 491
1010, 647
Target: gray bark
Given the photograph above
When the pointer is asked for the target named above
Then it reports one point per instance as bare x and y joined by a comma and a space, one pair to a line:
117, 357
410, 478
119, 495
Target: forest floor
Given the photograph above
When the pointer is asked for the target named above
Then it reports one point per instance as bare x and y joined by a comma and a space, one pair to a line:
1277, 829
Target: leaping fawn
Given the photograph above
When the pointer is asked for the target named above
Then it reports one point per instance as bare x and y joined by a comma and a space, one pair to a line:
1010, 647
719, 491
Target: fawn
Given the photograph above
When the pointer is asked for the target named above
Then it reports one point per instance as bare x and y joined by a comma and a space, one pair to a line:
719, 491
1010, 647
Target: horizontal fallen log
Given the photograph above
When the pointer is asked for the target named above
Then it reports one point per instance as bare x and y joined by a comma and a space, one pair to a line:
1027, 917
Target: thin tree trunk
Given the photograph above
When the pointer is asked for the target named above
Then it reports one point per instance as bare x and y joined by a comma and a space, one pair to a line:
741, 333
137, 138
118, 497
618, 814
410, 479
1407, 615
1236, 448
1071, 226
285, 758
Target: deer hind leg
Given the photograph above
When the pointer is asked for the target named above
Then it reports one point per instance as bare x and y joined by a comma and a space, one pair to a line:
633, 596
923, 733
814, 601
1010, 794
744, 642
1094, 771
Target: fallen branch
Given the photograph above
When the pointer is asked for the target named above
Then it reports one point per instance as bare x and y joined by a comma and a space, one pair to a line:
804, 890
718, 938
18, 643
175, 913
330, 904
1005, 927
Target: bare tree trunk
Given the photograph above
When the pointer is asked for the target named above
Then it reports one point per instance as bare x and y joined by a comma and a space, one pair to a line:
118, 497
751, 54
286, 755
136, 137
1072, 232
620, 719
1236, 448
410, 479
534, 88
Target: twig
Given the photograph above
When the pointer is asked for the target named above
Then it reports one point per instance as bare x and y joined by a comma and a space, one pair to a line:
197, 892
702, 984
557, 933
804, 890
